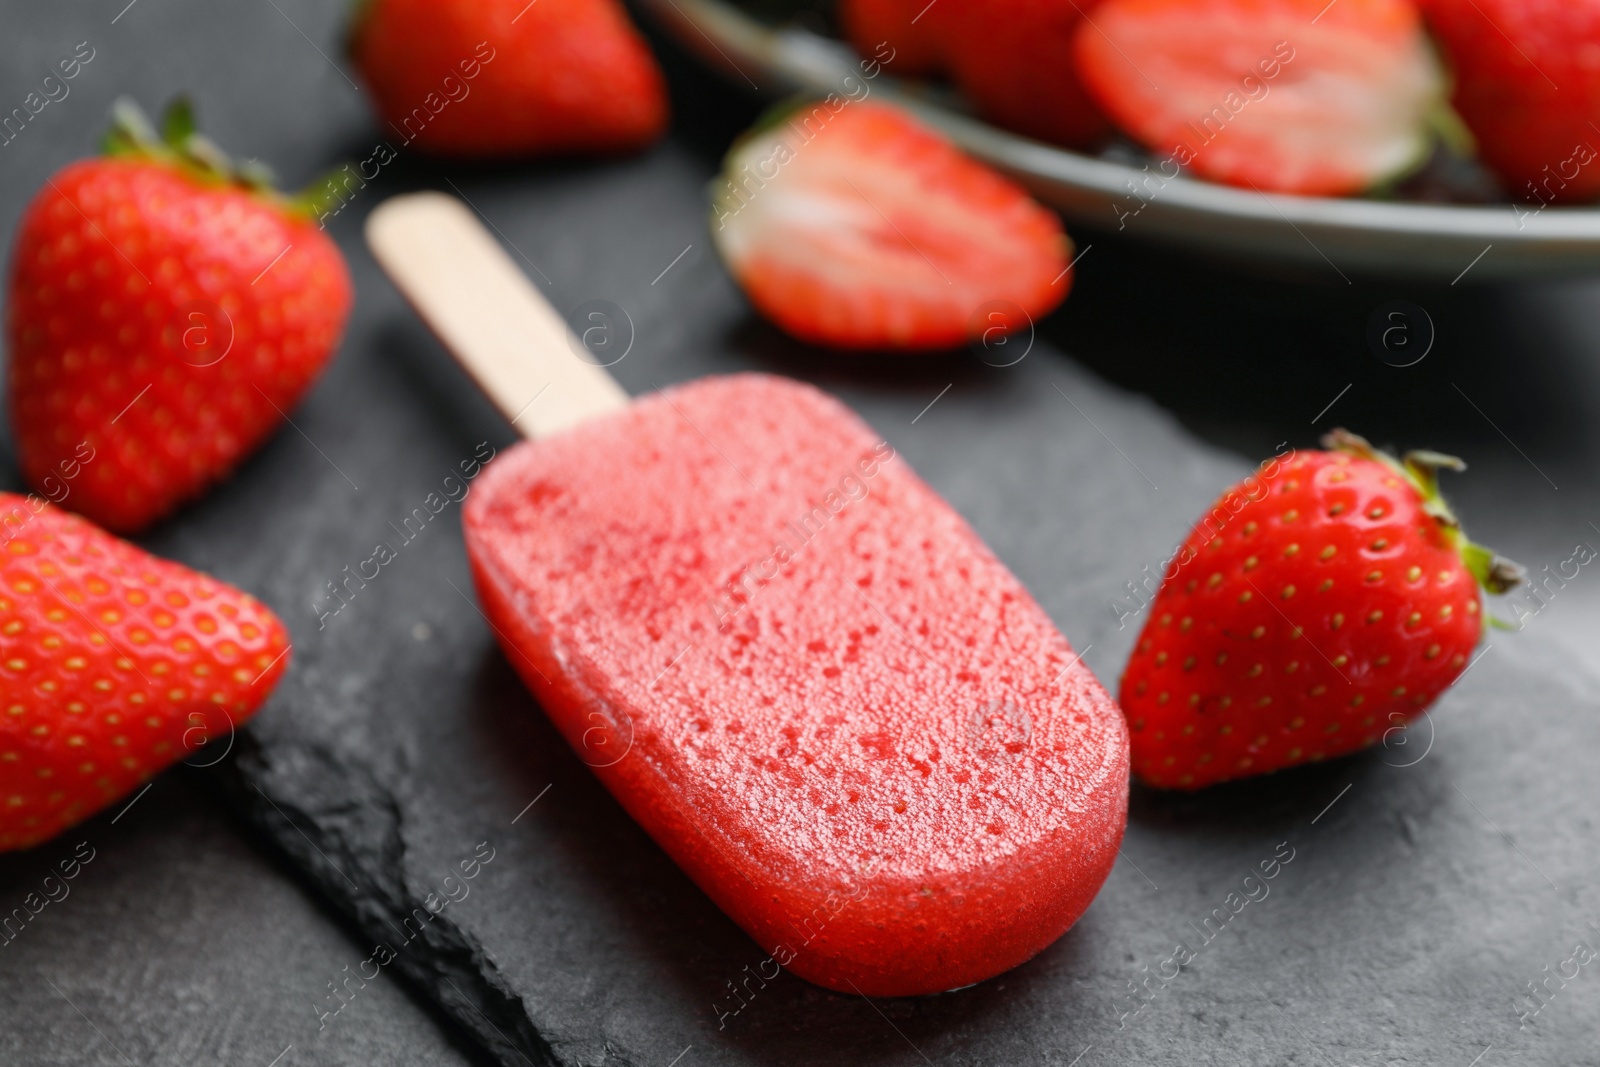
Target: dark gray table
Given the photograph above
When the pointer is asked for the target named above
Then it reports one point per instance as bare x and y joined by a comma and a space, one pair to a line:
1418, 907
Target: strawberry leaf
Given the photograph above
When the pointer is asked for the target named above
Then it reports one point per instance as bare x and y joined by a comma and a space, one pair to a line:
131, 132
1494, 573
178, 124
181, 145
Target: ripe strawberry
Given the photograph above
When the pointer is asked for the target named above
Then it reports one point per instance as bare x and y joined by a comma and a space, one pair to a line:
909, 28
1014, 59
113, 665
1323, 601
486, 78
855, 227
1300, 96
1528, 85
165, 310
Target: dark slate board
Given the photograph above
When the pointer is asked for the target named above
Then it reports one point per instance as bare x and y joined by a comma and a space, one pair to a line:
177, 942
1409, 919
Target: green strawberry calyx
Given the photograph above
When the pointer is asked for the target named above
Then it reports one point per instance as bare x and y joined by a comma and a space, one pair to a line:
180, 144
1493, 572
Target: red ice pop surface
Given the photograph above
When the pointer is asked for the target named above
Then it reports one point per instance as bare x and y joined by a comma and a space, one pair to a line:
802, 672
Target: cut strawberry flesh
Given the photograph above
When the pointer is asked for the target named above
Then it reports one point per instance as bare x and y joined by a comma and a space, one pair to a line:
858, 228
809, 680
1296, 96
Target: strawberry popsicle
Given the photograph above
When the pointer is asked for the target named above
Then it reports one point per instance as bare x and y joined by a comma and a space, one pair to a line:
798, 669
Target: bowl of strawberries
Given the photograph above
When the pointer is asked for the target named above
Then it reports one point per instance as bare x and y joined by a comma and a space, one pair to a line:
1434, 139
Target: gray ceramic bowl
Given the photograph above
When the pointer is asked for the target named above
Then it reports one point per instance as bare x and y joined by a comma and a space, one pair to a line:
1441, 242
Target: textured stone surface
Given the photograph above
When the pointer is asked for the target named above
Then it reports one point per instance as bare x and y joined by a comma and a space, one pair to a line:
1412, 915
177, 942
1400, 932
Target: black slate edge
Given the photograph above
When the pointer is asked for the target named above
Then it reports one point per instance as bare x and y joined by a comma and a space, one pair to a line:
366, 885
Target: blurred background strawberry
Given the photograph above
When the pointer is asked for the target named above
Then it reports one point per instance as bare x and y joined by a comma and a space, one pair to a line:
485, 78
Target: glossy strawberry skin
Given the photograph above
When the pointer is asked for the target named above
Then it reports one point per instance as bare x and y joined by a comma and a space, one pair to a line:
1014, 59
858, 228
496, 78
131, 274
113, 665
1315, 607
1527, 82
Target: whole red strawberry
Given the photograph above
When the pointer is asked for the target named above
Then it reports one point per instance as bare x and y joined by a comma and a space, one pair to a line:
1014, 59
1528, 85
165, 310
113, 665
486, 78
1319, 603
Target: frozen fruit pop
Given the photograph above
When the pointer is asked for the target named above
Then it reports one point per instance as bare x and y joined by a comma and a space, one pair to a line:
791, 662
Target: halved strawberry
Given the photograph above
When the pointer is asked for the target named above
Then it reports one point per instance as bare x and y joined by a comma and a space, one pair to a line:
850, 225
1299, 96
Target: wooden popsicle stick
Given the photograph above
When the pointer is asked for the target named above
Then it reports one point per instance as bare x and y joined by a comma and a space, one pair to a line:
488, 314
